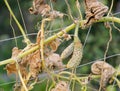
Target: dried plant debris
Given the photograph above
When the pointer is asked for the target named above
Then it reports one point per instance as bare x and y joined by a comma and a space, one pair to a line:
35, 65
32, 62
66, 36
40, 7
54, 61
11, 68
94, 11
104, 69
61, 86
54, 44
28, 64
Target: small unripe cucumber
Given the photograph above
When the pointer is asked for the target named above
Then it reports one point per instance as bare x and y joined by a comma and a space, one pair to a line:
77, 54
67, 51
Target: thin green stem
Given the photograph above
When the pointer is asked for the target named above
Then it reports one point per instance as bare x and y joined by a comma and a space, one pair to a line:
79, 10
111, 6
27, 41
76, 30
20, 75
107, 19
6, 61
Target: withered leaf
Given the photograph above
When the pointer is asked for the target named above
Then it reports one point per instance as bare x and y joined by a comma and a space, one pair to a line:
94, 10
39, 7
15, 52
54, 14
35, 64
54, 44
67, 36
104, 69
54, 61
11, 68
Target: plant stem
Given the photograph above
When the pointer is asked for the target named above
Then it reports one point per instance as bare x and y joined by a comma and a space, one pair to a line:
108, 19
6, 61
27, 41
67, 29
42, 40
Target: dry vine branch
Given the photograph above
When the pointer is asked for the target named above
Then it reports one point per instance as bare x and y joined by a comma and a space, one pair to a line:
67, 29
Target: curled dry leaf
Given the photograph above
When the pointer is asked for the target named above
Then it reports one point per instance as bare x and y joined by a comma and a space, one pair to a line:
54, 61
61, 86
31, 61
25, 60
54, 14
28, 64
104, 69
39, 7
54, 44
11, 68
15, 52
35, 66
94, 10
66, 36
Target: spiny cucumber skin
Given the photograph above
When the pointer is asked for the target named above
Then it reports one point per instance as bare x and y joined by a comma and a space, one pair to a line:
67, 51
77, 54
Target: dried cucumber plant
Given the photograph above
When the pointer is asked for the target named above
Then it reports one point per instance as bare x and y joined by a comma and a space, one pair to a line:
40, 58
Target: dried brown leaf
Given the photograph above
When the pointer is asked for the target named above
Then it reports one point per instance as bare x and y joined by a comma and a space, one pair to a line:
39, 7
104, 69
54, 44
94, 10
11, 68
35, 64
54, 61
15, 52
54, 14
67, 36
